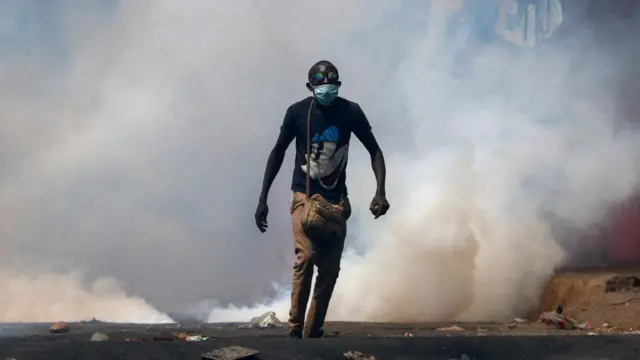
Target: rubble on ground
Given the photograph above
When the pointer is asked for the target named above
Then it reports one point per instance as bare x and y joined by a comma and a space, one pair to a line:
514, 323
98, 336
561, 321
190, 336
184, 336
268, 320
598, 296
357, 355
622, 284
451, 328
605, 328
59, 327
231, 353
518, 321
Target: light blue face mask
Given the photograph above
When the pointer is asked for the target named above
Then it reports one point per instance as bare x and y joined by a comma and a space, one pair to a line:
326, 93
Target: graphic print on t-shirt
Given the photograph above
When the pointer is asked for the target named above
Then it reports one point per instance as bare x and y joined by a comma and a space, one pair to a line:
327, 161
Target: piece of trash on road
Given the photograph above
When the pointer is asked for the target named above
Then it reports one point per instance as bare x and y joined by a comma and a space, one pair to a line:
59, 328
357, 355
231, 353
190, 336
514, 323
408, 334
451, 328
197, 338
98, 336
562, 321
591, 333
267, 320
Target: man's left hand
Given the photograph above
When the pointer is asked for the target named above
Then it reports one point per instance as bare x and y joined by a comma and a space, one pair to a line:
379, 206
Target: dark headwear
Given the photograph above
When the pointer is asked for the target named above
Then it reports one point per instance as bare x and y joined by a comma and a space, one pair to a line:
320, 70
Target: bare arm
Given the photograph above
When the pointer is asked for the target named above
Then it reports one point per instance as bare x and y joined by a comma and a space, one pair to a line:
377, 159
276, 157
362, 129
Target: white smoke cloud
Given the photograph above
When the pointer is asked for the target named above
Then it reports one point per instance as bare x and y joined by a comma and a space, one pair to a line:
500, 137
137, 153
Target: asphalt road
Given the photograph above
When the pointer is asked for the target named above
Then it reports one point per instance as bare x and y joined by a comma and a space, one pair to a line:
384, 341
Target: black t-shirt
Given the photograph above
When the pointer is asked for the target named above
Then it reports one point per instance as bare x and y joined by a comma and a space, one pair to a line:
331, 128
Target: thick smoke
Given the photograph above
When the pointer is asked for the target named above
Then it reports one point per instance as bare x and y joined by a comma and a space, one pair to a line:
134, 143
502, 139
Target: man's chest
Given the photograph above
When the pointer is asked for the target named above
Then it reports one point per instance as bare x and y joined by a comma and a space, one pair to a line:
324, 128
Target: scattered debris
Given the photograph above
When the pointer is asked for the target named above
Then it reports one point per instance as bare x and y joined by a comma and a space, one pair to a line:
613, 329
622, 283
591, 333
407, 334
190, 336
60, 327
197, 338
564, 322
514, 323
231, 353
171, 337
98, 336
267, 320
357, 355
451, 328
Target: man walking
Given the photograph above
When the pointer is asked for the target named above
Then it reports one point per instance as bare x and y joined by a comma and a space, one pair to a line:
322, 125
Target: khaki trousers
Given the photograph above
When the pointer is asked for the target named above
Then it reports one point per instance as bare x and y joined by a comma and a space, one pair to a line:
326, 255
